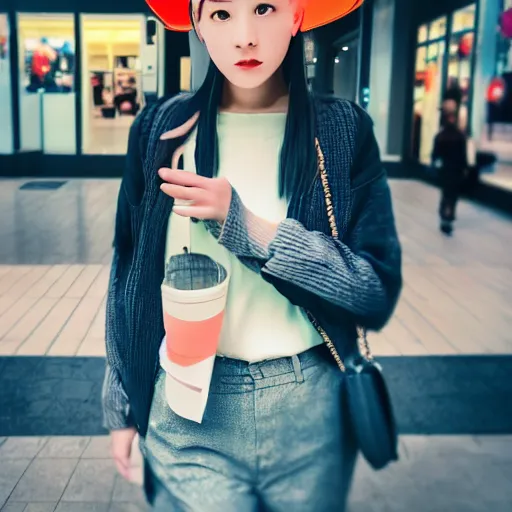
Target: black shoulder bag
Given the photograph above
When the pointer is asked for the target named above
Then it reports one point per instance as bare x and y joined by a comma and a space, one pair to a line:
370, 410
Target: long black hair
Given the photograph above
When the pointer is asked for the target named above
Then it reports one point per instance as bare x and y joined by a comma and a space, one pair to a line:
298, 160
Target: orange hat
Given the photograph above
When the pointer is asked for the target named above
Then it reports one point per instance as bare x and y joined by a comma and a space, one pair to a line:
174, 13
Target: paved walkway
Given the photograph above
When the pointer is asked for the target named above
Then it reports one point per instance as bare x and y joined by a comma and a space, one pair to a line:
435, 474
54, 266
55, 256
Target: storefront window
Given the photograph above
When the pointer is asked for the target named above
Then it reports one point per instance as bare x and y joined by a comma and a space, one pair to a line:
6, 135
47, 71
346, 70
421, 62
48, 53
437, 29
112, 92
427, 89
423, 34
434, 51
443, 69
496, 135
459, 79
464, 19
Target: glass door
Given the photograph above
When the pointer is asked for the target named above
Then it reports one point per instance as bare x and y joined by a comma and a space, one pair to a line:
428, 84
47, 88
6, 128
460, 62
346, 68
112, 80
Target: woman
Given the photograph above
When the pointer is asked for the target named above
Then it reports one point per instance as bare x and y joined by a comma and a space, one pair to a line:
275, 434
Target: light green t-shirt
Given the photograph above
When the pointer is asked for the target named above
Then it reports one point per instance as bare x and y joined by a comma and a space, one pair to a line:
259, 322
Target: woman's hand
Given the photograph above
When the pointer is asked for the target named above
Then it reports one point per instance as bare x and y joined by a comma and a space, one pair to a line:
204, 198
121, 450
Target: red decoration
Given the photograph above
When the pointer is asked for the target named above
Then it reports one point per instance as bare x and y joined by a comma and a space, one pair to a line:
506, 24
466, 44
432, 71
496, 90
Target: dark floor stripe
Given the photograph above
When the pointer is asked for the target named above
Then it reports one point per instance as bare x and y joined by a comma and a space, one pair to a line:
42, 185
431, 395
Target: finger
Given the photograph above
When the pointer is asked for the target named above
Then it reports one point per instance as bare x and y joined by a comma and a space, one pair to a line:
183, 178
186, 193
176, 157
182, 130
123, 467
198, 212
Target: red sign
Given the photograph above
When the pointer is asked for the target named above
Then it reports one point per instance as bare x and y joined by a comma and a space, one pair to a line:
496, 90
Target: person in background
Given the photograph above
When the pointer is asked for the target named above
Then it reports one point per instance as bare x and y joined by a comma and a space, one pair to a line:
450, 158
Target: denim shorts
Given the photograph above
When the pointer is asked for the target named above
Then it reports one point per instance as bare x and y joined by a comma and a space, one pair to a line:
274, 438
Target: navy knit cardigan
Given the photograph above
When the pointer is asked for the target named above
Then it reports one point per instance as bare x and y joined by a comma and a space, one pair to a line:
353, 280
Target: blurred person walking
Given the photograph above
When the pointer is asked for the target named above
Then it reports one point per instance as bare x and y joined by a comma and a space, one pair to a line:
450, 157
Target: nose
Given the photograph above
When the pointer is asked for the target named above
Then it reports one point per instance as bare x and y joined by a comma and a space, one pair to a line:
245, 33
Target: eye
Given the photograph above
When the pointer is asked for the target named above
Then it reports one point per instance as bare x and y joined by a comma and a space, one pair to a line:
264, 9
220, 15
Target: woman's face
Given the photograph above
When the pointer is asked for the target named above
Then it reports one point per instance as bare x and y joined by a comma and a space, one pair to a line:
247, 39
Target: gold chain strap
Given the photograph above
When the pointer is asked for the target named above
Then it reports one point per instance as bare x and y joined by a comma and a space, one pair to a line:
362, 338
327, 191
328, 342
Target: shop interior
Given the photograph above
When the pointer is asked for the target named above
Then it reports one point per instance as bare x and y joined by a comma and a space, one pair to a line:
111, 81
453, 38
119, 64
46, 79
496, 137
111, 88
444, 60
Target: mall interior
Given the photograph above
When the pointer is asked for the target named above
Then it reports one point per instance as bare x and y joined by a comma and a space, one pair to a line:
73, 78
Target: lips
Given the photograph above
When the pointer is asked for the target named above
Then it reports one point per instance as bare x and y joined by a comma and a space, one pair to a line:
248, 64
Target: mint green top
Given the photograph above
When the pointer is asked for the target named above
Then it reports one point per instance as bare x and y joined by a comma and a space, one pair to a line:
259, 322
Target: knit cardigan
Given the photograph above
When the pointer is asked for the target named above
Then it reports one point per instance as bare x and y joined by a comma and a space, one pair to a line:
354, 280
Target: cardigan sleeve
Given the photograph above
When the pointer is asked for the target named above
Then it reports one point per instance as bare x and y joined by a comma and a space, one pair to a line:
116, 407
361, 275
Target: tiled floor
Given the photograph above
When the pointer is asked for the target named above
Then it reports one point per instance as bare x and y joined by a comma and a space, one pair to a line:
107, 136
54, 310
56, 249
435, 474
72, 474
55, 253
